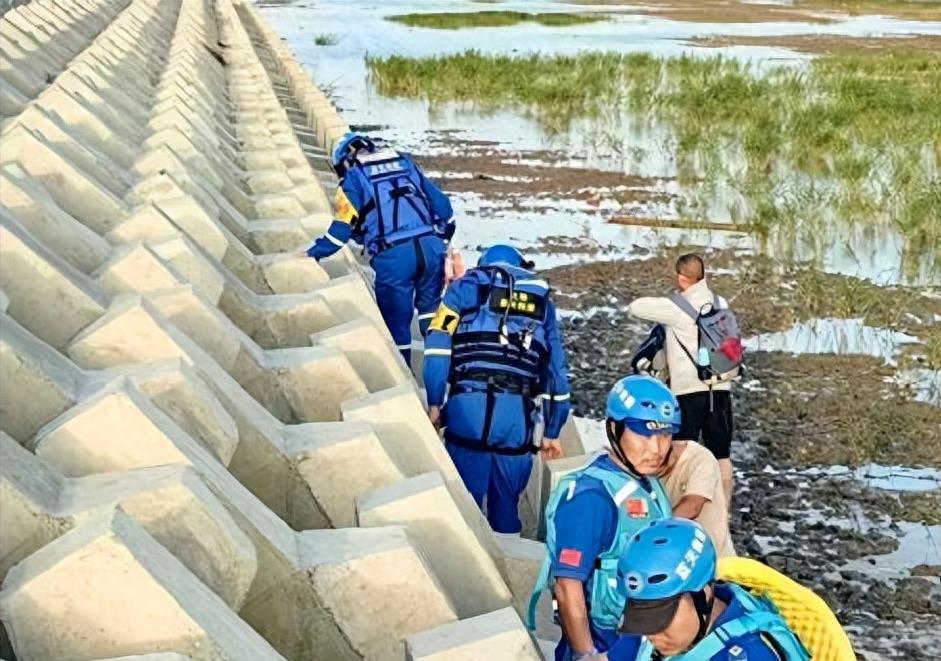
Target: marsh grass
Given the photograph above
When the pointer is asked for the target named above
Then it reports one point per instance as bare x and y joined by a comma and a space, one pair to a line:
491, 19
326, 39
850, 137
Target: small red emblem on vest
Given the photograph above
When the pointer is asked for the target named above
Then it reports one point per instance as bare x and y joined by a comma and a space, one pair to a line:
636, 508
570, 557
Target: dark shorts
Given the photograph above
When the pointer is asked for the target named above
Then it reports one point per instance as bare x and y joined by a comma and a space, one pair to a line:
713, 428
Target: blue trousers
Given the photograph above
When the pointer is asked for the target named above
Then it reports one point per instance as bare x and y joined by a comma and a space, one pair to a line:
409, 276
498, 478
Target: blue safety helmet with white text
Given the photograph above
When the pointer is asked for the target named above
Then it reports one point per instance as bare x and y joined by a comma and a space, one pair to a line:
501, 253
346, 149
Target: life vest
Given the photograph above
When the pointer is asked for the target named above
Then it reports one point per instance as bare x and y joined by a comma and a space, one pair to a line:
806, 614
395, 208
760, 616
636, 507
505, 334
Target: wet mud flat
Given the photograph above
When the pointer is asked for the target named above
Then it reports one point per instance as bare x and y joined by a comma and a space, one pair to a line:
810, 429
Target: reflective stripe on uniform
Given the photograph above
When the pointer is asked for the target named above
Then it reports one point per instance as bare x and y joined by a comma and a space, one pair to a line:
437, 352
532, 283
335, 241
427, 315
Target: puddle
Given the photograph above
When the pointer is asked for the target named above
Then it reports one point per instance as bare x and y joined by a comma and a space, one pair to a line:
876, 476
898, 478
918, 545
834, 336
924, 382
620, 144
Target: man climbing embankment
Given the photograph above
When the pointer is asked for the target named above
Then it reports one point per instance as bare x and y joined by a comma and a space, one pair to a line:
386, 203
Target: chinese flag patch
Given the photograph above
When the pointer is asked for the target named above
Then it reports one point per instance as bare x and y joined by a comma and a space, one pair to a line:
636, 507
570, 557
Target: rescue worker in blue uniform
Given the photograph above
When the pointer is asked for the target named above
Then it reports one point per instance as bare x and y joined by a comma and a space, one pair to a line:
494, 349
595, 510
386, 203
675, 609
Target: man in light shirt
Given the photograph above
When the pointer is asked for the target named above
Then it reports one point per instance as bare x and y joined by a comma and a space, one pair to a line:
706, 410
692, 479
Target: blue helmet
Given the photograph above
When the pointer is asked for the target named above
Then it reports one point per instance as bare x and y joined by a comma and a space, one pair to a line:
663, 561
503, 254
348, 145
644, 404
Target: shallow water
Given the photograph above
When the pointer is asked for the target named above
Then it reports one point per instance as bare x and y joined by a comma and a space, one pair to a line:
834, 336
615, 144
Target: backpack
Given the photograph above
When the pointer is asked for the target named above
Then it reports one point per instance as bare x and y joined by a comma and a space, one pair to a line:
720, 354
401, 208
650, 357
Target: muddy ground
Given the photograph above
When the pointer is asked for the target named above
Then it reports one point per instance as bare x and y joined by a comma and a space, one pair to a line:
796, 416
828, 44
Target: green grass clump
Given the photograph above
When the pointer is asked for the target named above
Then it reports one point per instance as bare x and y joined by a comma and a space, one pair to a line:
850, 137
326, 40
491, 19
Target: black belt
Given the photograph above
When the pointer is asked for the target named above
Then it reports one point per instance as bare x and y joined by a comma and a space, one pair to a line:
382, 244
478, 446
495, 382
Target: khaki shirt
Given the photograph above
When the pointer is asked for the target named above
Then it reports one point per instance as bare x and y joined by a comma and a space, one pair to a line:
696, 473
680, 327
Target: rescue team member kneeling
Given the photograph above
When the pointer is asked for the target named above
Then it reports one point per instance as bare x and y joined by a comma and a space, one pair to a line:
677, 610
495, 340
386, 203
595, 510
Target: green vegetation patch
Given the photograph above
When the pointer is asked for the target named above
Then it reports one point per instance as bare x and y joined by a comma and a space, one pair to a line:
491, 19
851, 137
326, 40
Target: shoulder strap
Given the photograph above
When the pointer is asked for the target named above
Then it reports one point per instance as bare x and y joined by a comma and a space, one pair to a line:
684, 305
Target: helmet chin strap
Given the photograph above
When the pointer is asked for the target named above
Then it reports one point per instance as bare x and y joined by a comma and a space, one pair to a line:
704, 611
614, 440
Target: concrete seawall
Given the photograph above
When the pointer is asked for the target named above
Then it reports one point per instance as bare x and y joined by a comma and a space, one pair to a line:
210, 447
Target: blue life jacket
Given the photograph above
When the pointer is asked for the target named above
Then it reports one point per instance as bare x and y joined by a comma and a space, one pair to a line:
504, 335
606, 604
761, 616
395, 208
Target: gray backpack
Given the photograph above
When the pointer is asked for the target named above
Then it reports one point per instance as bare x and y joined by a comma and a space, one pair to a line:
720, 353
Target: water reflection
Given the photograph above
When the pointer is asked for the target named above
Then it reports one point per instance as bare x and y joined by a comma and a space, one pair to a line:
618, 141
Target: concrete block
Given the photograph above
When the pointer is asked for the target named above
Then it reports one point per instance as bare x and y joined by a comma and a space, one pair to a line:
499, 635
292, 275
32, 274
73, 190
182, 514
369, 349
338, 462
30, 494
375, 585
315, 382
144, 600
523, 560
424, 505
177, 389
135, 268
93, 436
34, 208
39, 383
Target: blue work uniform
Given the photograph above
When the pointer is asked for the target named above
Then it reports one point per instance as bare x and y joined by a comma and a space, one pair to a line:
386, 203
768, 640
495, 350
589, 522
